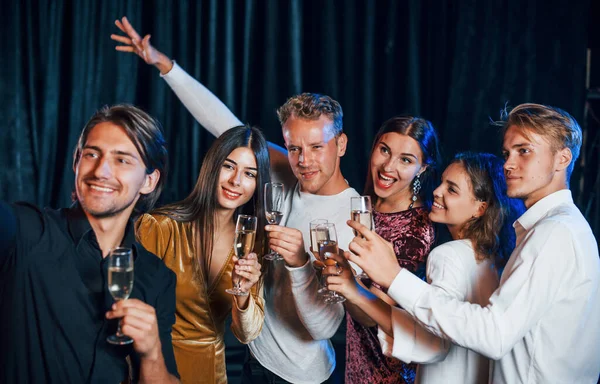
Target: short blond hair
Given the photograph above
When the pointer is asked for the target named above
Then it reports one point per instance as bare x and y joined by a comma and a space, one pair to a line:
557, 126
310, 106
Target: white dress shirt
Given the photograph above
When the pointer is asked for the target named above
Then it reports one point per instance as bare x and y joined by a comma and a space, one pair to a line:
453, 268
543, 322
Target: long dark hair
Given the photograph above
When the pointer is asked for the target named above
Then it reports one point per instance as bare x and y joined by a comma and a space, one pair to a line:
492, 233
423, 132
200, 207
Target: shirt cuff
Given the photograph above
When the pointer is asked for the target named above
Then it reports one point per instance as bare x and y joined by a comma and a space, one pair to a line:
301, 275
175, 73
406, 289
386, 342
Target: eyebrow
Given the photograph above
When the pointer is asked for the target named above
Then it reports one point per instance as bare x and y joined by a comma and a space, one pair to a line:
402, 154
309, 144
234, 163
519, 145
115, 151
452, 184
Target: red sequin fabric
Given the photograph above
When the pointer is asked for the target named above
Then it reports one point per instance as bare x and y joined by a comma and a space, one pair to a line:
412, 234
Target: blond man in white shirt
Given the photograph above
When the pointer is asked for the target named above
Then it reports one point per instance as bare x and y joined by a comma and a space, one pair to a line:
543, 322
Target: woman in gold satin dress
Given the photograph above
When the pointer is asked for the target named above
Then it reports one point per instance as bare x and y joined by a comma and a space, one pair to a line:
194, 237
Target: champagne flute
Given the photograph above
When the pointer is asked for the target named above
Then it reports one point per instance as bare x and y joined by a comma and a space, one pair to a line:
317, 234
243, 243
273, 211
361, 212
329, 245
120, 284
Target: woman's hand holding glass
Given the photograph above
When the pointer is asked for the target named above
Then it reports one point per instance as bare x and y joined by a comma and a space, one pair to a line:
327, 242
374, 255
361, 212
247, 272
243, 244
340, 277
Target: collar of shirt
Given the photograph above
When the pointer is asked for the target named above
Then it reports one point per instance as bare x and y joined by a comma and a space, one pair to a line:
79, 226
539, 210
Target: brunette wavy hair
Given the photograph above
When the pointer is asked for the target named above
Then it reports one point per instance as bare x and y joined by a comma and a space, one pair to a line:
492, 233
423, 132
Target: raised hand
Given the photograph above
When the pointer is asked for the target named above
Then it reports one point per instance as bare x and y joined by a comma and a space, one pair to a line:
135, 44
374, 255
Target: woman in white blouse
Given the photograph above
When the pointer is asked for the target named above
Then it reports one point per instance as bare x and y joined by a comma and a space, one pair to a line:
471, 201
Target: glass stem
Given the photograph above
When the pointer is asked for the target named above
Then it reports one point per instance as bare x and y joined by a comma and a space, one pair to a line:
324, 281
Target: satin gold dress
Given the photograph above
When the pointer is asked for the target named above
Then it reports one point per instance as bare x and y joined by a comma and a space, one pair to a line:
201, 310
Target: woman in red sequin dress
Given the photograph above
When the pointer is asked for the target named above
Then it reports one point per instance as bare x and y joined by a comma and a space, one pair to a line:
402, 174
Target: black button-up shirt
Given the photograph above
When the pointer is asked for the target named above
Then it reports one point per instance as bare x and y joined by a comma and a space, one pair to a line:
54, 296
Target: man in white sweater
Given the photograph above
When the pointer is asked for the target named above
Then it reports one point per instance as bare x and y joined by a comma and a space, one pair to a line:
294, 344
542, 324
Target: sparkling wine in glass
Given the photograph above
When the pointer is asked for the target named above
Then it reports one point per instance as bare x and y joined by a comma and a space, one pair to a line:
243, 243
273, 211
361, 212
120, 284
317, 234
328, 244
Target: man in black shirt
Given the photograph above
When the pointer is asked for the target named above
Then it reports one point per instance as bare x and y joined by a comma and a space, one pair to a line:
55, 308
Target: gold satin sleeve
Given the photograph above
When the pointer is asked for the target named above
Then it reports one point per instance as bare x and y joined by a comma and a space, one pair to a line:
149, 233
246, 324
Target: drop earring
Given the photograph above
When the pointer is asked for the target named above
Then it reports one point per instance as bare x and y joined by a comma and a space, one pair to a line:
416, 187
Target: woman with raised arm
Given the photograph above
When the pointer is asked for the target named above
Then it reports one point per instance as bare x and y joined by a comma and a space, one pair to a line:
194, 237
471, 201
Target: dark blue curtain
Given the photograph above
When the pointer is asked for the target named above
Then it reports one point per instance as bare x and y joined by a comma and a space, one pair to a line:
455, 63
